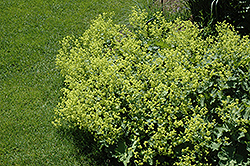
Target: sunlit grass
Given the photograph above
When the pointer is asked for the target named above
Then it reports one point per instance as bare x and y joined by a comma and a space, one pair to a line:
30, 31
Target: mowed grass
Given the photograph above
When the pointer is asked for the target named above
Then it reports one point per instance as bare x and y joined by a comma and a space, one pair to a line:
30, 31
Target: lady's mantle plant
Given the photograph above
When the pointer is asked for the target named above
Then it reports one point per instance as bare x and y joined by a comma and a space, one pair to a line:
157, 93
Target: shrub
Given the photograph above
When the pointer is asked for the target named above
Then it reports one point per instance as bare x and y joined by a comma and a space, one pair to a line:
158, 93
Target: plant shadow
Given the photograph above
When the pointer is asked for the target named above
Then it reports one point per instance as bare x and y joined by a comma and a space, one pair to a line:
86, 150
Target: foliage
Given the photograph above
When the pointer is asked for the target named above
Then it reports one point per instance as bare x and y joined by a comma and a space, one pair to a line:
208, 12
158, 93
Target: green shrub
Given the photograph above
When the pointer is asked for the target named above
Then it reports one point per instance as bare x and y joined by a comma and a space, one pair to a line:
157, 93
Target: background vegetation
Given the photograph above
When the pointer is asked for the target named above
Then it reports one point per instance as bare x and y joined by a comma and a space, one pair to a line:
208, 12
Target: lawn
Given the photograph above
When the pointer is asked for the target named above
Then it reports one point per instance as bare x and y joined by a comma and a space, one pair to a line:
30, 31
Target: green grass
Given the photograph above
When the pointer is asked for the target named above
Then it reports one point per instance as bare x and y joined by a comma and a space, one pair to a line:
30, 31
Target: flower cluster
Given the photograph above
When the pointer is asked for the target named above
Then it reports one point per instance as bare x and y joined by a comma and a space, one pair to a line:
158, 93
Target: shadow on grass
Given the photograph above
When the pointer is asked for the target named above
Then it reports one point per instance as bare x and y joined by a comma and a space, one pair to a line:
86, 150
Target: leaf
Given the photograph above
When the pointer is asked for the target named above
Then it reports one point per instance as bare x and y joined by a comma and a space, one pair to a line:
248, 136
126, 158
222, 156
127, 154
232, 84
232, 163
247, 113
220, 130
246, 86
202, 101
242, 135
161, 44
248, 146
153, 48
215, 146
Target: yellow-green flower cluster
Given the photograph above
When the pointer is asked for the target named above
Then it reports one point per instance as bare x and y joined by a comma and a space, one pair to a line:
158, 91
